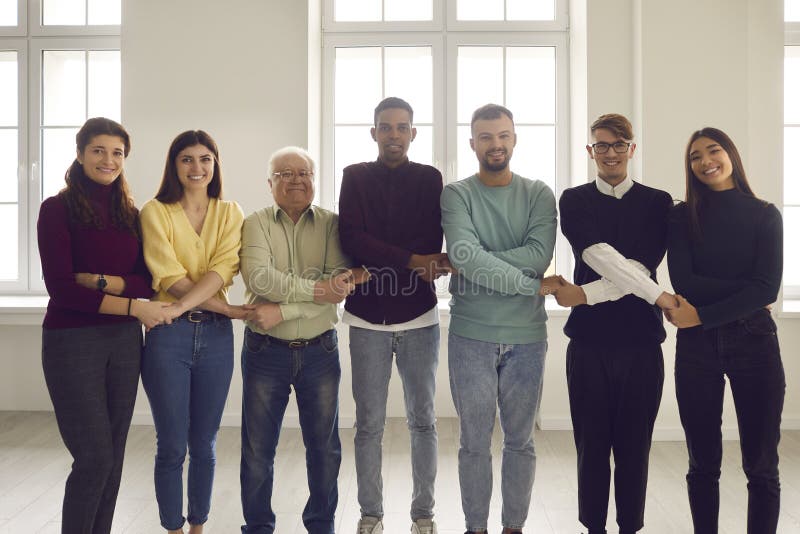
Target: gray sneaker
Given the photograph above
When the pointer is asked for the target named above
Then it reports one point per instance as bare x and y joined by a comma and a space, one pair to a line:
423, 526
370, 525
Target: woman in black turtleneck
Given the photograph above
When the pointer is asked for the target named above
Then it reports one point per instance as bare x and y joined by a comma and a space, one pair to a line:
725, 257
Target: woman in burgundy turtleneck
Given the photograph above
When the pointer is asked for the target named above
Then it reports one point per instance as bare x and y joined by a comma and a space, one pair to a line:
91, 253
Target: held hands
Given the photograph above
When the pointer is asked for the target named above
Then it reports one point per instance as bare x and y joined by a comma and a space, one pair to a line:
334, 290
153, 313
266, 315
239, 311
684, 315
429, 267
566, 293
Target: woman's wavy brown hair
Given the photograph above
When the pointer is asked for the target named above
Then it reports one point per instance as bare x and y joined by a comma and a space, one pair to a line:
124, 214
171, 190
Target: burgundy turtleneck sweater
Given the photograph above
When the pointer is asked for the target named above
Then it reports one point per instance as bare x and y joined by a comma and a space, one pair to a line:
67, 247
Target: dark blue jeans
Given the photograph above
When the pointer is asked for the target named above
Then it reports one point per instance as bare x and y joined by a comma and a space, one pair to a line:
747, 352
269, 371
186, 372
92, 375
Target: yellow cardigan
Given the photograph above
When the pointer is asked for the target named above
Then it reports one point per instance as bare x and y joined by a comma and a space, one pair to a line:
173, 250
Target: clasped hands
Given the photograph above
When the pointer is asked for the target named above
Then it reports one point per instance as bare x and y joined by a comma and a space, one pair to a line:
678, 311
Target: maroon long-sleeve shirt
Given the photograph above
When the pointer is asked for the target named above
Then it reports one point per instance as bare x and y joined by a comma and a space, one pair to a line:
67, 247
385, 215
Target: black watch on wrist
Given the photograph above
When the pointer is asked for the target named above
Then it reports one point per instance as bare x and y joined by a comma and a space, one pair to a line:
102, 283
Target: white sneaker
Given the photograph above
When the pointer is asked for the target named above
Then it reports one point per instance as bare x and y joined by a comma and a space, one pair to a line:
370, 525
423, 526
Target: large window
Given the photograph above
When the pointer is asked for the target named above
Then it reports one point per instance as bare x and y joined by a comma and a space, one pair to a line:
446, 58
791, 158
59, 65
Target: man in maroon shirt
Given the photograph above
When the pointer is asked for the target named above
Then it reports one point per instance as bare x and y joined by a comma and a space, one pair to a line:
390, 222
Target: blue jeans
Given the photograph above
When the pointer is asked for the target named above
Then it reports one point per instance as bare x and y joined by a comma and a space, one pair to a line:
417, 354
484, 376
186, 373
269, 371
747, 352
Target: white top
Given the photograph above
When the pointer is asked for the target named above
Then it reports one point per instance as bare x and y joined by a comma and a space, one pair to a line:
620, 276
429, 318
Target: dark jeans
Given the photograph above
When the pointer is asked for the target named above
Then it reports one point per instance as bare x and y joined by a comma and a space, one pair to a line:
269, 371
92, 375
747, 352
186, 372
614, 395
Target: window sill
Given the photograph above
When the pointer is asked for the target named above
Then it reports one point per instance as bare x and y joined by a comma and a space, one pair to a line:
23, 309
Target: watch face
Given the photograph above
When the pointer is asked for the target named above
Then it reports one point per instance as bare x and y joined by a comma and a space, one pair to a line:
102, 282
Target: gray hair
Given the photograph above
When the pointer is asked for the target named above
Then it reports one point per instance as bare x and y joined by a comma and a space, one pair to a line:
289, 150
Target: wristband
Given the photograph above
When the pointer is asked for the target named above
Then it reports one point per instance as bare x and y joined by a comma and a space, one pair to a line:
130, 301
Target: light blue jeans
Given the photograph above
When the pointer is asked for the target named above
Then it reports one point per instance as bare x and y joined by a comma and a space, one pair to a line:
484, 376
417, 355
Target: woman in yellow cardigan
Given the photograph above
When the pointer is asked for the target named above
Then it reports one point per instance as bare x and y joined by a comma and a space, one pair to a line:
191, 246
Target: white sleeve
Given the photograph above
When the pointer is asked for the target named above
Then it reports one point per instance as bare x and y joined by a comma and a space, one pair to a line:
629, 276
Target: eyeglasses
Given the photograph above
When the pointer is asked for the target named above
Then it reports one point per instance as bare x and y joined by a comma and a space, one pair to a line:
290, 175
619, 147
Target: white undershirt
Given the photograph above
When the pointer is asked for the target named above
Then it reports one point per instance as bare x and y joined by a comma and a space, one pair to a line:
429, 318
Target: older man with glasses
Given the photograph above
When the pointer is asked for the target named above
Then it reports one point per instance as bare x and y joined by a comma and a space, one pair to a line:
295, 273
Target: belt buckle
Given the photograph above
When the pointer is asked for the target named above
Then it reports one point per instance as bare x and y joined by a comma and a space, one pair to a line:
195, 316
298, 344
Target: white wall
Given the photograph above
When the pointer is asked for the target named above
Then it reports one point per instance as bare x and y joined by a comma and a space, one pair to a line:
242, 71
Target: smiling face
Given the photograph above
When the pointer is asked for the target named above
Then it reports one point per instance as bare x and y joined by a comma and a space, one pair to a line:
103, 158
194, 166
711, 164
493, 141
294, 194
393, 133
612, 167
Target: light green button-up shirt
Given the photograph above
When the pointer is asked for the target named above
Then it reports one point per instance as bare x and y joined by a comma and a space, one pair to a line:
281, 261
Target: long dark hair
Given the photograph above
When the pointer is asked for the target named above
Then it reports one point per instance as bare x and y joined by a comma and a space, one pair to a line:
171, 190
123, 212
696, 191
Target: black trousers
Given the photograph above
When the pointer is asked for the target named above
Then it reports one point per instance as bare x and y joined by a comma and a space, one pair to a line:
747, 352
92, 375
614, 395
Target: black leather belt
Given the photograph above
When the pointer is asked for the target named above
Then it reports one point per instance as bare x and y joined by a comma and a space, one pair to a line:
296, 343
198, 316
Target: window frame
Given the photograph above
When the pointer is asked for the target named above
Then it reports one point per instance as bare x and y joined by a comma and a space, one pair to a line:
792, 38
36, 27
21, 29
445, 40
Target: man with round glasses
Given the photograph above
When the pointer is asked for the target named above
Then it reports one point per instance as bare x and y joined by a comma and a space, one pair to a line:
615, 369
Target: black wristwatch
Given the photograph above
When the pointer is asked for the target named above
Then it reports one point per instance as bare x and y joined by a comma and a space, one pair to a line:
102, 283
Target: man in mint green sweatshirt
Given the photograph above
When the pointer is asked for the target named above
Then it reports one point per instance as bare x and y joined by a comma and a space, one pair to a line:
500, 230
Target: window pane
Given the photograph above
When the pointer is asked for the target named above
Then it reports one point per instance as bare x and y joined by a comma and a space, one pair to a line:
791, 252
421, 149
535, 154
409, 10
479, 10
791, 165
530, 10
9, 164
480, 78
8, 13
64, 12
531, 83
792, 11
358, 84
104, 84
791, 90
466, 162
105, 12
58, 153
64, 85
353, 144
409, 75
9, 81
357, 10
9, 242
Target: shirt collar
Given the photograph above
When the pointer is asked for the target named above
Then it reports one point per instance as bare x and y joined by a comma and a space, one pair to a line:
309, 211
617, 191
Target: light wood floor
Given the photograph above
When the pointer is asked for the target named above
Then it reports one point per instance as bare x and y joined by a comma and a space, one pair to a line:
34, 464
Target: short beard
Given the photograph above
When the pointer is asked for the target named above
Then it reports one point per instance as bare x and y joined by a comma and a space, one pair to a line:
495, 167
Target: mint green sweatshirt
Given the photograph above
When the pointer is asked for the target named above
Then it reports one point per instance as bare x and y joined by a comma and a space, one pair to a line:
500, 241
